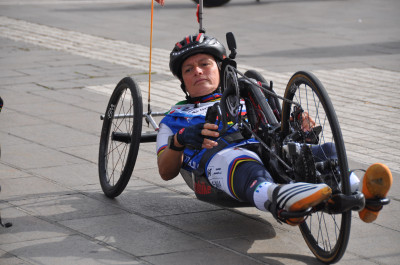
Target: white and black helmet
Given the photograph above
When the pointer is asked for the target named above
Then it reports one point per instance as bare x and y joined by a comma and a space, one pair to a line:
191, 45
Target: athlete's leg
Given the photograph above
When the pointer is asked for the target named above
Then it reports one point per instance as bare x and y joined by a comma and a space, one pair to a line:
375, 183
249, 176
323, 152
240, 174
253, 183
328, 151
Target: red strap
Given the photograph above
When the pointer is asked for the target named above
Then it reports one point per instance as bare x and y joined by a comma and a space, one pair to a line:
199, 36
197, 13
187, 39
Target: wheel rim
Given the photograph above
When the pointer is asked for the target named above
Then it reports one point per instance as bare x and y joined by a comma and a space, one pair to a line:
117, 152
325, 234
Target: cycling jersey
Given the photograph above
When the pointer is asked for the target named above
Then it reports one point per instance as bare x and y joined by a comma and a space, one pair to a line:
221, 166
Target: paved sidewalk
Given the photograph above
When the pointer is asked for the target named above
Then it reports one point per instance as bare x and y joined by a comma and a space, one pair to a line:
54, 93
368, 112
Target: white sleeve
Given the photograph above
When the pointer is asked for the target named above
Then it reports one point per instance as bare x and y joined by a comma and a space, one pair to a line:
162, 137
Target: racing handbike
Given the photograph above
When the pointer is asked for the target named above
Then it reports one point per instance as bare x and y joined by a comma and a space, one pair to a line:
289, 151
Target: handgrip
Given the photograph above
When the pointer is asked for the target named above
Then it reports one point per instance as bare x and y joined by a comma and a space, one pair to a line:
230, 40
214, 114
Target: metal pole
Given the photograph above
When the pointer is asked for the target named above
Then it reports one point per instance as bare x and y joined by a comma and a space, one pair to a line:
201, 30
151, 47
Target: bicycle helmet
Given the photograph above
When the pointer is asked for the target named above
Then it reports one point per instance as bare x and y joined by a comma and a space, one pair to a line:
191, 45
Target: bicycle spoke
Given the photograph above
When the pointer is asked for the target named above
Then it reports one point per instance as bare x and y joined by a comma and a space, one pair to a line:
117, 154
326, 234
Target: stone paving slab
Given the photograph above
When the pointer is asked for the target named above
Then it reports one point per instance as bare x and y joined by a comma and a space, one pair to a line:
88, 152
72, 249
7, 172
15, 188
155, 201
201, 256
35, 156
57, 207
134, 234
27, 228
76, 176
51, 132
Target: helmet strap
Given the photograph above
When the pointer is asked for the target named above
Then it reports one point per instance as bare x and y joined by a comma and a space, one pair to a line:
184, 88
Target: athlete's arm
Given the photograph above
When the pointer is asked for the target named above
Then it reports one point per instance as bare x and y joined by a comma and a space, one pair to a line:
170, 161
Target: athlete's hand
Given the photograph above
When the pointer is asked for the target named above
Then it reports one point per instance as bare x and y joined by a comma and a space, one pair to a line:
195, 136
307, 123
209, 130
161, 2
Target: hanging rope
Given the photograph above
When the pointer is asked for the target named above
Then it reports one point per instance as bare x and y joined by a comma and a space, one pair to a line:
151, 46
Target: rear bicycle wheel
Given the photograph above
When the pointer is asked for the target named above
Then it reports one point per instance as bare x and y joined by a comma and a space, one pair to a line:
120, 137
326, 234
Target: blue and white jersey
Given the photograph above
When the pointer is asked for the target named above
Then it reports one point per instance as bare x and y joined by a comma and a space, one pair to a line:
183, 115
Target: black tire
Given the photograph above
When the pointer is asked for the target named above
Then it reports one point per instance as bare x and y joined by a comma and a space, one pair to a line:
213, 3
120, 137
326, 234
273, 101
256, 104
257, 108
255, 75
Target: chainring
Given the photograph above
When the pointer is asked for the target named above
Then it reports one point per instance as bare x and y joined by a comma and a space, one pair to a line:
231, 104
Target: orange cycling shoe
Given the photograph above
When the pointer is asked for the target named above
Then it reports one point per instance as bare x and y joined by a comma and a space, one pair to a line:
375, 184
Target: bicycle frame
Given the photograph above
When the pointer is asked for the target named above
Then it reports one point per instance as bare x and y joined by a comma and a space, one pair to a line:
146, 137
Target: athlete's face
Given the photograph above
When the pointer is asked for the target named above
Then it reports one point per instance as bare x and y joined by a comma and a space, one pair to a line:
200, 75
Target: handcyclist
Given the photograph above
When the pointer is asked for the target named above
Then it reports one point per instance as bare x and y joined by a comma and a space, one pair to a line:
185, 136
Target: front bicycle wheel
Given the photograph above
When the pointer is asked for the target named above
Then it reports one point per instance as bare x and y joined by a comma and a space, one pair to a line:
326, 234
120, 137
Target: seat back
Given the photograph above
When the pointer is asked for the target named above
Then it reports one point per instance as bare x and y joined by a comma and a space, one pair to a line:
204, 191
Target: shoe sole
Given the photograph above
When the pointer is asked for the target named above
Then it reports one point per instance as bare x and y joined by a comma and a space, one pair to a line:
376, 183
